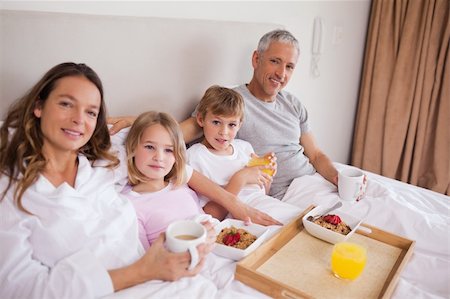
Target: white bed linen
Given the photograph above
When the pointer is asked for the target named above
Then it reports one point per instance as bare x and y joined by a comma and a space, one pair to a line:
412, 212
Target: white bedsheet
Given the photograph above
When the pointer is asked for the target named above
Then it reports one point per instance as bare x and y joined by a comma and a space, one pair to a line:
414, 213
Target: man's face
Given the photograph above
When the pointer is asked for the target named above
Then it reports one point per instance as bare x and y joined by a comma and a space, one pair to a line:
272, 70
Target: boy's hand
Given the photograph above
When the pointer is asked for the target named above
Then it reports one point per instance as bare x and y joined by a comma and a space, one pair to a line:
253, 175
273, 162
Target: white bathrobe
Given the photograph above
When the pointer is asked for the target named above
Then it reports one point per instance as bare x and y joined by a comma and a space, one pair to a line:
75, 234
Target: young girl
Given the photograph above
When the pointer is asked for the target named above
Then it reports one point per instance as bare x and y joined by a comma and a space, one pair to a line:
64, 231
158, 175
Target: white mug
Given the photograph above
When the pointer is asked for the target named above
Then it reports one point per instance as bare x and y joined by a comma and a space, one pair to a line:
351, 184
185, 235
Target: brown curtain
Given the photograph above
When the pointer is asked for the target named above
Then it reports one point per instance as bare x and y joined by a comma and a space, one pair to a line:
402, 127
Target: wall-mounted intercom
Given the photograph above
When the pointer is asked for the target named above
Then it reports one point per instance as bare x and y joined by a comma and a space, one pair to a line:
317, 36
317, 46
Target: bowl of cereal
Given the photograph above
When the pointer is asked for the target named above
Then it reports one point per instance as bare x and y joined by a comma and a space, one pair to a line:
235, 240
333, 227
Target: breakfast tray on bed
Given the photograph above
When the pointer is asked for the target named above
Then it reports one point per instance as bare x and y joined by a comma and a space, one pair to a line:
294, 264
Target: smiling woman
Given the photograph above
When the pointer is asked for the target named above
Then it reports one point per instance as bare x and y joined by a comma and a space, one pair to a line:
40, 127
65, 232
68, 118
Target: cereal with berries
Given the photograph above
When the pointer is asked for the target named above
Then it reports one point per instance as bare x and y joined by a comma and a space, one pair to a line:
334, 223
235, 237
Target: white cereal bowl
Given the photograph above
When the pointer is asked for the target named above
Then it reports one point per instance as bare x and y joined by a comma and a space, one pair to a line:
326, 234
234, 253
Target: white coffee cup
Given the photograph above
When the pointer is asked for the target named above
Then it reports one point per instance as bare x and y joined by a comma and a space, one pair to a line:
185, 235
351, 184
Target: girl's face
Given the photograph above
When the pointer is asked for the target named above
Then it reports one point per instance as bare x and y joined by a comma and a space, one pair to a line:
69, 115
154, 155
219, 132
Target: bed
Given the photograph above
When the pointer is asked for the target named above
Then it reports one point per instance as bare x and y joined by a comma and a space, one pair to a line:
411, 212
405, 210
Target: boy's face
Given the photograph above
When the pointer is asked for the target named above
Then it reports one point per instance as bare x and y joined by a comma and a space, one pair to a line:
219, 131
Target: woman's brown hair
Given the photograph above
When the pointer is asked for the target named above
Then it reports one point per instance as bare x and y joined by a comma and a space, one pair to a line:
21, 157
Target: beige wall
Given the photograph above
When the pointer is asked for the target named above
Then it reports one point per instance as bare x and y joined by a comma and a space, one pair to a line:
330, 98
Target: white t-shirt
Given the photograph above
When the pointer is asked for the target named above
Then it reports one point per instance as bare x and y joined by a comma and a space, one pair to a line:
220, 169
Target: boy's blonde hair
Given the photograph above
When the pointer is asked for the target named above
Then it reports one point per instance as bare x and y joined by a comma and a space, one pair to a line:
221, 101
177, 174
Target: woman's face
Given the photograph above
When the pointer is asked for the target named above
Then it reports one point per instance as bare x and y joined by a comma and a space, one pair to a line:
69, 115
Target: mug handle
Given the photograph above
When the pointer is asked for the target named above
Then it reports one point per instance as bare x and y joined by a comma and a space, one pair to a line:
362, 189
194, 257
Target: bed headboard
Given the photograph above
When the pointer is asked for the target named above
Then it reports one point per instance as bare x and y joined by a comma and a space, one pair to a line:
145, 63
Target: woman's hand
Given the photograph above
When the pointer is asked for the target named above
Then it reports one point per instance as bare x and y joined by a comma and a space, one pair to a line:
157, 263
120, 122
173, 266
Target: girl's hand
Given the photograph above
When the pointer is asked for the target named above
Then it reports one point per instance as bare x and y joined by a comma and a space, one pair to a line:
210, 243
241, 211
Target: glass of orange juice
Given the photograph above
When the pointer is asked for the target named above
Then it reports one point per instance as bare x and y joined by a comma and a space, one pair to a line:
348, 260
258, 161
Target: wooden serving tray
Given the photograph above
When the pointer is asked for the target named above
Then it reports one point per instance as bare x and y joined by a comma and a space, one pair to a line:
294, 264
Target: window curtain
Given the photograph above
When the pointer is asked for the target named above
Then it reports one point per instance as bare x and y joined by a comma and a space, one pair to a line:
402, 127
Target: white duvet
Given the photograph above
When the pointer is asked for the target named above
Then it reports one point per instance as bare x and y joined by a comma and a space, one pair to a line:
414, 213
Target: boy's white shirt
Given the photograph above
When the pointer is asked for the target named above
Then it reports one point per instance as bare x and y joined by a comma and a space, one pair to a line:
221, 168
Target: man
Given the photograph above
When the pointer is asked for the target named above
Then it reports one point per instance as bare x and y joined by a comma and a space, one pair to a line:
275, 120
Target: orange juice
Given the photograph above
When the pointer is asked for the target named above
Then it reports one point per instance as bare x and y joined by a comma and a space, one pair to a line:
257, 161
348, 260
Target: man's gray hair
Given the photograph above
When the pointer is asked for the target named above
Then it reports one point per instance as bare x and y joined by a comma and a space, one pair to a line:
277, 35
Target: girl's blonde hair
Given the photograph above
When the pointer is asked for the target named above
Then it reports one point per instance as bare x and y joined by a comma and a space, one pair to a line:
177, 174
221, 101
21, 139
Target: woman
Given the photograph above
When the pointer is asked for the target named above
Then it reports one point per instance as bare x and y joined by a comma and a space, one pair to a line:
64, 232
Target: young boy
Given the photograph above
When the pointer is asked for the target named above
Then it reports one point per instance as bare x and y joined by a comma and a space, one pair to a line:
224, 159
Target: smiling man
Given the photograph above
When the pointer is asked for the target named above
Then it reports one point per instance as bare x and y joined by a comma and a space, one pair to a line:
274, 119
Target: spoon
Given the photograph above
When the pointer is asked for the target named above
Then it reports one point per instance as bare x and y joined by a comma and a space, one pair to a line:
335, 206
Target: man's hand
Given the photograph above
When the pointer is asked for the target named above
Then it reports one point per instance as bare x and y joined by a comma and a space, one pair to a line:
120, 122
